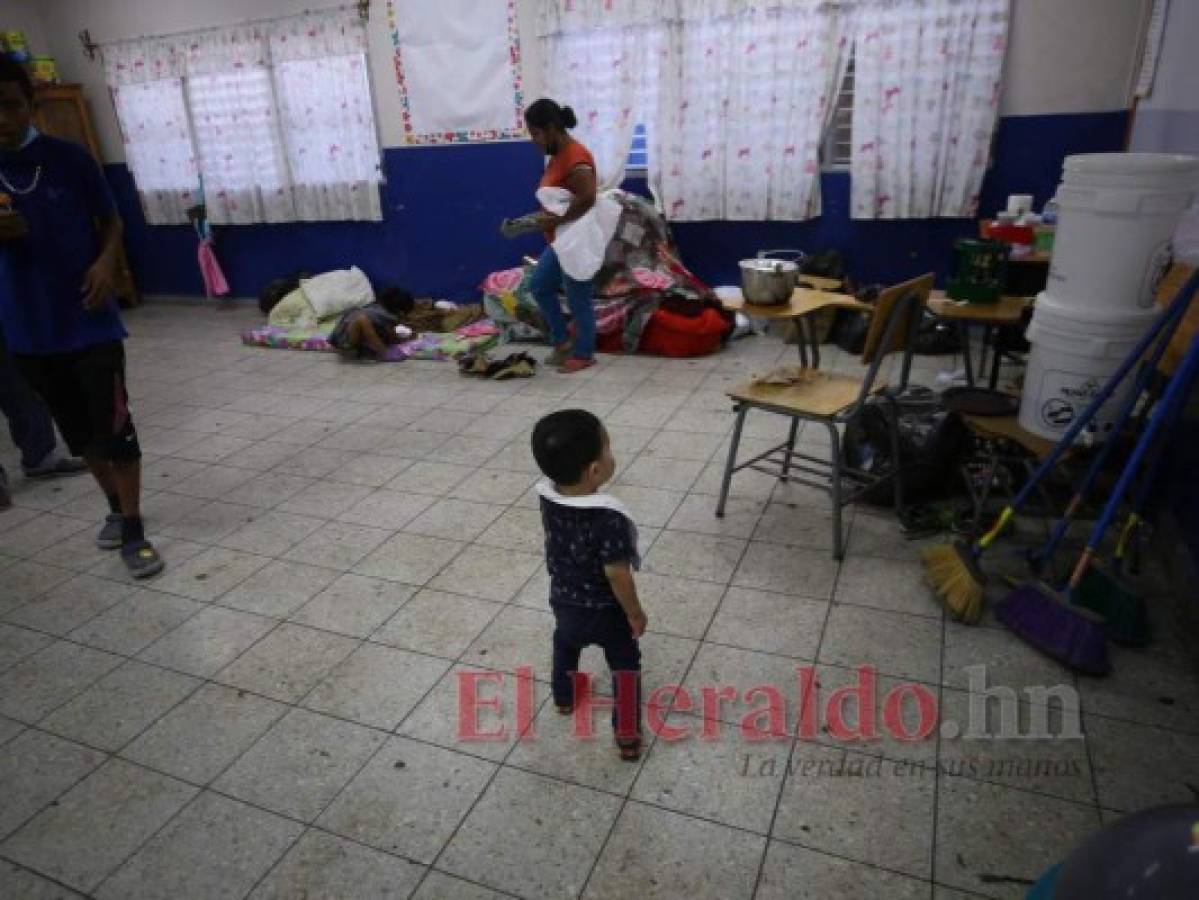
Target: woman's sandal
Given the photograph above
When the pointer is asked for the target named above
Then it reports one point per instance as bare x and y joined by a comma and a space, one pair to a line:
560, 354
576, 364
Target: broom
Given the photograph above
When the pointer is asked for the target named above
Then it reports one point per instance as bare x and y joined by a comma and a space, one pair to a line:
1103, 590
1045, 618
1038, 559
1132, 525
953, 569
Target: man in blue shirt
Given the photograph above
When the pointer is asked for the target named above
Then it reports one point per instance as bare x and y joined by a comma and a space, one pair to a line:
59, 240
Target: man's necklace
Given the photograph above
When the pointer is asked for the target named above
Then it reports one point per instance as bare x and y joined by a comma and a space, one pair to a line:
8, 186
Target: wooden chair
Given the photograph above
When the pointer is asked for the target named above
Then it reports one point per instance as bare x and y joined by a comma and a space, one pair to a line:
834, 399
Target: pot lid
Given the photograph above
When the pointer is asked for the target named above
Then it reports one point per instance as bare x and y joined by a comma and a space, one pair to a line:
770, 265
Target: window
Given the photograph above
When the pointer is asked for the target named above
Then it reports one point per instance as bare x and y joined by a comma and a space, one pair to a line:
638, 162
154, 119
234, 129
838, 141
319, 118
274, 119
834, 154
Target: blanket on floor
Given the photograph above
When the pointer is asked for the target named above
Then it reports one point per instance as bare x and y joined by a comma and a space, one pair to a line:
480, 335
641, 272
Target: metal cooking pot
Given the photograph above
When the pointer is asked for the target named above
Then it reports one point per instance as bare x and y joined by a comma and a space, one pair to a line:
769, 282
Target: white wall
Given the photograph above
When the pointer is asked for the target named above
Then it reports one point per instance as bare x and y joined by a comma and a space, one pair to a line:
1176, 84
112, 20
1168, 119
1064, 56
26, 16
1071, 56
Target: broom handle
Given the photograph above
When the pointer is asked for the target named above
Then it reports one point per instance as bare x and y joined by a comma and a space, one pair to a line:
1179, 303
1140, 498
1176, 393
1144, 376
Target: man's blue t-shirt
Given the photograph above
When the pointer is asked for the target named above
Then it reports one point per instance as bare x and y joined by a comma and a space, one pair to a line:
41, 274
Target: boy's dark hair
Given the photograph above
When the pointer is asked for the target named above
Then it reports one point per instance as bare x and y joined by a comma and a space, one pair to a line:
566, 442
13, 71
396, 300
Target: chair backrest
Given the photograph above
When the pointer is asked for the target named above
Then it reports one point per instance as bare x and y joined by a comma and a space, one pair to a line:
891, 301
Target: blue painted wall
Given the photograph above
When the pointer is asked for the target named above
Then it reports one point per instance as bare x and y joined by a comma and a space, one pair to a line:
439, 236
442, 206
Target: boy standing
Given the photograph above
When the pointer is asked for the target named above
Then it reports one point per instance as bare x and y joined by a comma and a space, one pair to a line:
59, 239
591, 550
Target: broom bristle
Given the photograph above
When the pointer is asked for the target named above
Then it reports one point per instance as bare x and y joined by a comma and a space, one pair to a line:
1070, 635
1125, 616
955, 580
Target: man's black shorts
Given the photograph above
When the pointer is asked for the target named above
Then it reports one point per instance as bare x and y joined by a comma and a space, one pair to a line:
85, 393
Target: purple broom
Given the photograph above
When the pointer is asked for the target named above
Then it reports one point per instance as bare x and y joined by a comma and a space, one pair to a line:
1045, 618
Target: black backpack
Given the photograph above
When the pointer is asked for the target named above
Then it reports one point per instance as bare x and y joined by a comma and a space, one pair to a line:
932, 440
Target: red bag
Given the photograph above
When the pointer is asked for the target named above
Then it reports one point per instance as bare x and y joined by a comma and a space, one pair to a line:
612, 342
669, 334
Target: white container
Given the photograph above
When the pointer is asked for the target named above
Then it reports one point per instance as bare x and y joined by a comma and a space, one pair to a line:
1074, 352
1019, 204
1116, 215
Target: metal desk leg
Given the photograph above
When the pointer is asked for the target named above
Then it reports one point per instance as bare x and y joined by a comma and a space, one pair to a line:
801, 341
967, 362
988, 331
996, 359
813, 337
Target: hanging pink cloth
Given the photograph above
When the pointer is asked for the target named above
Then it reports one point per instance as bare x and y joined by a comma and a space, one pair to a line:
215, 284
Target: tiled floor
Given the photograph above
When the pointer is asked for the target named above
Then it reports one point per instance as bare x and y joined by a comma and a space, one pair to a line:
275, 716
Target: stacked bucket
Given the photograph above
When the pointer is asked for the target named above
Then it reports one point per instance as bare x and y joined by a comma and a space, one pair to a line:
1116, 215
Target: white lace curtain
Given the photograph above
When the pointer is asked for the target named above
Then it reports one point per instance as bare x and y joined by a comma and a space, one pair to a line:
737, 95
927, 77
739, 133
277, 118
610, 76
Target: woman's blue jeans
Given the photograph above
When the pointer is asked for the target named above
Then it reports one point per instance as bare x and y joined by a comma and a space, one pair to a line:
547, 278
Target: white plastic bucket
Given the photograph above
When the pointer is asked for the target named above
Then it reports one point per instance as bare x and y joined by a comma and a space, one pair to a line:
1072, 357
1116, 215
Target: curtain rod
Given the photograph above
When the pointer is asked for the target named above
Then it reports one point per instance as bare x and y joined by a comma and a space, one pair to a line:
90, 47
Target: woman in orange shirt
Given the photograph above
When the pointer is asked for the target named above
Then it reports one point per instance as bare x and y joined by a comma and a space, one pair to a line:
572, 167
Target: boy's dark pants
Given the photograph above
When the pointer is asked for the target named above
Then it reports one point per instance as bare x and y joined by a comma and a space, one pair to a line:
608, 626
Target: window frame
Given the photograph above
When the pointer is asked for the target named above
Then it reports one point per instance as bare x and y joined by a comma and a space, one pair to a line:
836, 147
637, 159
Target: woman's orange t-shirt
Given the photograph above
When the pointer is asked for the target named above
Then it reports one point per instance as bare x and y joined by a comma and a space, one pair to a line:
561, 165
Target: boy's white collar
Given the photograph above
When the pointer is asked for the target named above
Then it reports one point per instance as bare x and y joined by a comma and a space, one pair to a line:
546, 489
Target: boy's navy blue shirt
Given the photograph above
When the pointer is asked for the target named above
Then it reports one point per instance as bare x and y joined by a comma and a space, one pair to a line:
579, 542
41, 274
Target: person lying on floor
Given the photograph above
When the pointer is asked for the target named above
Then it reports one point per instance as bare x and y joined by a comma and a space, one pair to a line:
371, 330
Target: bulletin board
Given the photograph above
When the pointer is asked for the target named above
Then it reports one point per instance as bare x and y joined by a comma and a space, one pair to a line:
458, 67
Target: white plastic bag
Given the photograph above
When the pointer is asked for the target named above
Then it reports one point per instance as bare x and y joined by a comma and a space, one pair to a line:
334, 292
581, 244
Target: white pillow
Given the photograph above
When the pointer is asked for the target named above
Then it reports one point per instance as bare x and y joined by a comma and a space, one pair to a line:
331, 293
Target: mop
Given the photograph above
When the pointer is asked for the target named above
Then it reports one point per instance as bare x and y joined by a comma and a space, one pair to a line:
953, 569
1045, 618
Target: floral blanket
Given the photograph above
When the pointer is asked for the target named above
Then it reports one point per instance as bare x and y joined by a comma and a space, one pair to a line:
480, 335
641, 269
